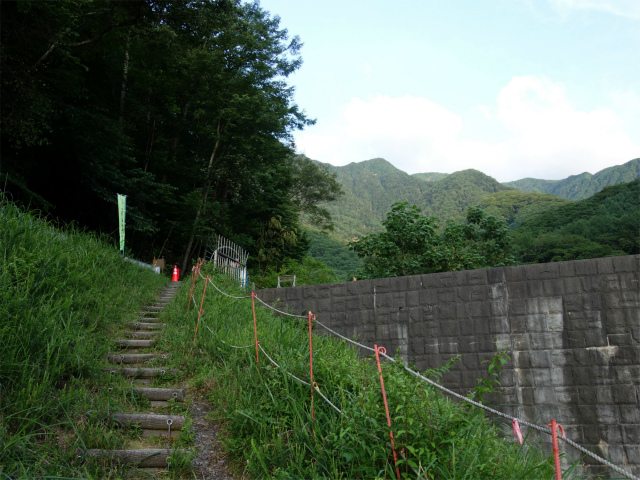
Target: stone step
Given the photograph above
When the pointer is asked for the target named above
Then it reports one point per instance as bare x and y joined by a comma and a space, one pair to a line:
141, 372
135, 357
151, 307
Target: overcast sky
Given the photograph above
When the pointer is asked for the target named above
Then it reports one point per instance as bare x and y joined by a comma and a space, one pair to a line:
513, 88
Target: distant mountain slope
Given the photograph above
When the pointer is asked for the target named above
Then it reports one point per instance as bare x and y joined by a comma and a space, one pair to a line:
584, 185
371, 187
605, 224
515, 206
453, 195
430, 176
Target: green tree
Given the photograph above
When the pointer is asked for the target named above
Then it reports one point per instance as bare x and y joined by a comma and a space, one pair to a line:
413, 244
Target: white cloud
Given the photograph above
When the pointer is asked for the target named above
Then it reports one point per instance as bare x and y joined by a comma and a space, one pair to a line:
623, 8
543, 135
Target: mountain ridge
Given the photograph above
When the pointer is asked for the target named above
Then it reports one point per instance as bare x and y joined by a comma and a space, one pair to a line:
372, 186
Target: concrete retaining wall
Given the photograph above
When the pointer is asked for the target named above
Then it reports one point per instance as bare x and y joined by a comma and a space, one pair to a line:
572, 330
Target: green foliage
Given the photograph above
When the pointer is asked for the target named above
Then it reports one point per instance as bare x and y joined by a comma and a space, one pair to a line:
490, 383
585, 185
308, 271
514, 206
182, 106
373, 186
61, 293
335, 254
269, 432
412, 244
604, 225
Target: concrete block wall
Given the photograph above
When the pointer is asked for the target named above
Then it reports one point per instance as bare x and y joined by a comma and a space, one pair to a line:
572, 330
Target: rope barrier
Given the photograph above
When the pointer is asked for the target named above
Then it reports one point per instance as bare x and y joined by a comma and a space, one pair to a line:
515, 421
279, 311
345, 338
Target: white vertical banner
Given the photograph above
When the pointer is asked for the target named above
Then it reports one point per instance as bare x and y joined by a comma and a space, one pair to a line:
122, 210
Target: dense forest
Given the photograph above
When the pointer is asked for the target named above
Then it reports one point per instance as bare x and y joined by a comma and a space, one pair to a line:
182, 106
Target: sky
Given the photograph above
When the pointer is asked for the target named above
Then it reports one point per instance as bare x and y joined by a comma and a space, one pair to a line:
513, 88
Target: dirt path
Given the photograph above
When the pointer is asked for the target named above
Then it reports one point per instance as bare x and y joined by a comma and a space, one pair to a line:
210, 463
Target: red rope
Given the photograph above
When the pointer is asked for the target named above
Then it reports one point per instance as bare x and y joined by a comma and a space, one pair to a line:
311, 362
556, 453
383, 351
200, 311
255, 325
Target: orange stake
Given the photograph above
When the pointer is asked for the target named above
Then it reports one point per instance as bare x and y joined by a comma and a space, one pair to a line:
556, 452
194, 273
255, 326
382, 350
200, 311
311, 315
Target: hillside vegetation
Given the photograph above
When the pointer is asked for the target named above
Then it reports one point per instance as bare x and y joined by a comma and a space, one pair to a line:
584, 185
61, 293
271, 432
372, 186
606, 224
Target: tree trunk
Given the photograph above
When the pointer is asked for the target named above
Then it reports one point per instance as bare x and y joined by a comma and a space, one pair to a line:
174, 143
203, 201
123, 94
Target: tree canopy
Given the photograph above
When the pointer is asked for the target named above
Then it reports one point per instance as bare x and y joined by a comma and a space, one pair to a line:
182, 106
413, 244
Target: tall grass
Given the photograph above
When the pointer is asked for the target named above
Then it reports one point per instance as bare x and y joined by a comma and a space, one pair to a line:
267, 414
61, 292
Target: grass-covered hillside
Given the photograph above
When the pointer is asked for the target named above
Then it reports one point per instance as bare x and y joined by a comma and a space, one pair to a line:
61, 292
273, 431
64, 292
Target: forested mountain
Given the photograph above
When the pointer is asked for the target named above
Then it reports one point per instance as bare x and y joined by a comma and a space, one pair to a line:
430, 176
182, 106
514, 206
606, 224
450, 197
579, 187
372, 186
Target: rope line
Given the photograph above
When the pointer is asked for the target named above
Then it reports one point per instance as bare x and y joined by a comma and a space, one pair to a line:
279, 311
225, 294
345, 338
423, 378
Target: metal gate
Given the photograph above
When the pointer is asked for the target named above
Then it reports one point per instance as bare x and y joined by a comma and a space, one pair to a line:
228, 258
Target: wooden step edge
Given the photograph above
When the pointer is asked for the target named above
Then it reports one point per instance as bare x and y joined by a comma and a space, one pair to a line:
125, 343
134, 357
149, 421
141, 372
154, 394
141, 335
143, 458
145, 326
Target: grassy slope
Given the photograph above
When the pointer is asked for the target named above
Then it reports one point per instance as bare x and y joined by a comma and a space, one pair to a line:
61, 292
267, 418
